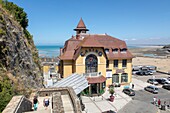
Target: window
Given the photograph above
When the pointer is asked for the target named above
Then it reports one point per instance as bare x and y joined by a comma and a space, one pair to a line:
124, 77
115, 63
107, 51
115, 78
91, 63
115, 50
124, 63
107, 63
123, 50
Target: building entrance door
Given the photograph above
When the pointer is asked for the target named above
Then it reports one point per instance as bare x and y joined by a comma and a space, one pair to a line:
94, 88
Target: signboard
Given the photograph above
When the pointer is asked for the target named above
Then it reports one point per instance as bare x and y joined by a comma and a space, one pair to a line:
120, 71
109, 74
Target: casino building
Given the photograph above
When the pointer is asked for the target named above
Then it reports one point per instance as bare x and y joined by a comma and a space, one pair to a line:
103, 59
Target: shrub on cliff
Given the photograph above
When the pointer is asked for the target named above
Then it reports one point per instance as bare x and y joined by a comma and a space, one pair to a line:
6, 92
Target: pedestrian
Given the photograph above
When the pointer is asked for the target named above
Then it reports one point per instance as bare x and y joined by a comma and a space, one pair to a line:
46, 102
159, 103
132, 86
154, 100
35, 103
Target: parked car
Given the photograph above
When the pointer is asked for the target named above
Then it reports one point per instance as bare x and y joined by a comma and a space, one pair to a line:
152, 89
144, 73
162, 81
168, 78
166, 86
129, 92
152, 81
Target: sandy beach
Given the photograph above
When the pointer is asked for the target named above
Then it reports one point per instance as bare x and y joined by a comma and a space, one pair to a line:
162, 62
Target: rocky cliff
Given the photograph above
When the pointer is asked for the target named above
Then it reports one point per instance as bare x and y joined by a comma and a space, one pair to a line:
18, 54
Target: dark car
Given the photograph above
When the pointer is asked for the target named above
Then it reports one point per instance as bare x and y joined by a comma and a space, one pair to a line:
162, 81
166, 86
129, 92
152, 81
152, 89
144, 73
168, 78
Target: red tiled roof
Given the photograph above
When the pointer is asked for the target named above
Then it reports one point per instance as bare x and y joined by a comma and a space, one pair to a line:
99, 79
73, 46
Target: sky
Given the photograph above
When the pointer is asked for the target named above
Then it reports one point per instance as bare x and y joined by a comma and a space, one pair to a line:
51, 22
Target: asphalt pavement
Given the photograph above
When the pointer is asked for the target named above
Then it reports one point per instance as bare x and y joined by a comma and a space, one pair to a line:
142, 101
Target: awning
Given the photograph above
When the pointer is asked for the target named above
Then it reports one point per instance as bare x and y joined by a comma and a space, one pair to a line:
93, 80
76, 81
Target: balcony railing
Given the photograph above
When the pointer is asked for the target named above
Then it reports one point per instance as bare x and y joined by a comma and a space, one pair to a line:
93, 74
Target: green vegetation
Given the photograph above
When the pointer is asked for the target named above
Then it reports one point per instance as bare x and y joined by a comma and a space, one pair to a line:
17, 12
111, 90
101, 91
6, 92
2, 32
19, 15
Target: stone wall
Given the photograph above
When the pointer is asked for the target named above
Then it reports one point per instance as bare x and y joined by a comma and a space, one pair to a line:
18, 104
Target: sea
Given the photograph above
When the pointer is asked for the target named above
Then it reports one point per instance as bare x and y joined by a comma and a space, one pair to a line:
53, 51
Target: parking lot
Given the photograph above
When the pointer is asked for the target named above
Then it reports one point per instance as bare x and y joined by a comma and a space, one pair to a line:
144, 98
144, 78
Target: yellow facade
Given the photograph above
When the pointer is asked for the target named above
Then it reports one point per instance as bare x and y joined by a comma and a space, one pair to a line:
67, 64
78, 66
46, 68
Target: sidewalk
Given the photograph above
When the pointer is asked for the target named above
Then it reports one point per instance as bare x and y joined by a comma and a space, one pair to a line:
102, 103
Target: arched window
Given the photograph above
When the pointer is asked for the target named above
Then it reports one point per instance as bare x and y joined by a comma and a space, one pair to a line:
115, 78
91, 63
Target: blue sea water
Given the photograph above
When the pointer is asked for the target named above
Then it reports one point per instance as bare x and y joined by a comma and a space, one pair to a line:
54, 50
49, 50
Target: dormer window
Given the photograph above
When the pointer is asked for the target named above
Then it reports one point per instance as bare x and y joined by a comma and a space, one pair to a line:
115, 50
107, 51
123, 50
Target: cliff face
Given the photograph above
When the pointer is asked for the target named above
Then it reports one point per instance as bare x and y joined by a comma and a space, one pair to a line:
18, 54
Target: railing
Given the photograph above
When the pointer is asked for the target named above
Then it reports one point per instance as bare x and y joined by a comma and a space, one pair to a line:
93, 74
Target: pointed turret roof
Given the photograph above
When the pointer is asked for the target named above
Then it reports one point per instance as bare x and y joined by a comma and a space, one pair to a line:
81, 26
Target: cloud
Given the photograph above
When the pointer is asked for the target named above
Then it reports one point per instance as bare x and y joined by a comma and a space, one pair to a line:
154, 38
126, 39
133, 39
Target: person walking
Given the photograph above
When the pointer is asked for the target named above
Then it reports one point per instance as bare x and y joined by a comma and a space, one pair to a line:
46, 102
35, 103
154, 100
133, 86
159, 103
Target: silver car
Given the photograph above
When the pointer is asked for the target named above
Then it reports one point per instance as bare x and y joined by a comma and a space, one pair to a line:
152, 89
152, 81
